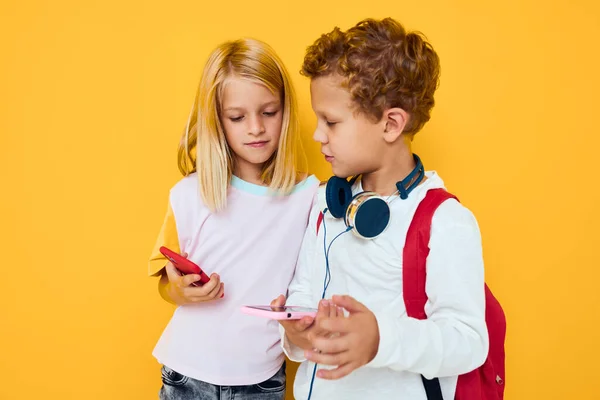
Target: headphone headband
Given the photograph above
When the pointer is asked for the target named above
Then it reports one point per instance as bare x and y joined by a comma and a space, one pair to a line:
413, 179
366, 213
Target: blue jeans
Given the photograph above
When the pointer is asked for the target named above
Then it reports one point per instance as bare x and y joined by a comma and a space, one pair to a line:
180, 387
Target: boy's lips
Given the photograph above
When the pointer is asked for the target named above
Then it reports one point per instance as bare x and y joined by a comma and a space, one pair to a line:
328, 158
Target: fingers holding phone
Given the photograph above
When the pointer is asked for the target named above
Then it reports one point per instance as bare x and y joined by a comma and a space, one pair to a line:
192, 287
297, 330
212, 290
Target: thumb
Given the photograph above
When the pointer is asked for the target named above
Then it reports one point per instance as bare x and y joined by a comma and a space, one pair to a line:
172, 273
352, 305
279, 301
184, 254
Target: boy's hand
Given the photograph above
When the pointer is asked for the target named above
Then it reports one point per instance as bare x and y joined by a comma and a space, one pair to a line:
182, 292
356, 345
327, 310
296, 331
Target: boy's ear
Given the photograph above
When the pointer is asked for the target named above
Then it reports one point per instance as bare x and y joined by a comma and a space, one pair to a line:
395, 120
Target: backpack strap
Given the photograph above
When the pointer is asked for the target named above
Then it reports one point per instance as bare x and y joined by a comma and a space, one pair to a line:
414, 267
322, 203
319, 221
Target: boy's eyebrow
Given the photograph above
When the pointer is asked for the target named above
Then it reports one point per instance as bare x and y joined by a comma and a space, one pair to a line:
324, 114
319, 112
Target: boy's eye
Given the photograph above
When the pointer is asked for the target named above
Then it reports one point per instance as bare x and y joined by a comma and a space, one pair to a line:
236, 119
329, 123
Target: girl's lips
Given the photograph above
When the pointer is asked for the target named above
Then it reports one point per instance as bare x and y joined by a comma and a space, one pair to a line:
261, 143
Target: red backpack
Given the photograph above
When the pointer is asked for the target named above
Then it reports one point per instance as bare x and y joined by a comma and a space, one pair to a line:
487, 381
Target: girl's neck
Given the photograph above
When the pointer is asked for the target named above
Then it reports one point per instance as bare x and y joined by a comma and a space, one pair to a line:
248, 172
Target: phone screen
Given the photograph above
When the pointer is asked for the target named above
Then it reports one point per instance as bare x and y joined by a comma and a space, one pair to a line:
284, 308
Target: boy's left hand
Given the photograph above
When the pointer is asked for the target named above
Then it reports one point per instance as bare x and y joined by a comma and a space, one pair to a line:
356, 345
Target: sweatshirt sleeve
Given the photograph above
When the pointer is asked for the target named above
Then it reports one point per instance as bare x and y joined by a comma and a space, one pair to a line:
299, 291
453, 340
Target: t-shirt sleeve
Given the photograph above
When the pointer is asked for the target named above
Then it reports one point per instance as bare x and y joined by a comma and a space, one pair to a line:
167, 237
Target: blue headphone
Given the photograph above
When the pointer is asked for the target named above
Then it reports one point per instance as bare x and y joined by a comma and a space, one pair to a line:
367, 214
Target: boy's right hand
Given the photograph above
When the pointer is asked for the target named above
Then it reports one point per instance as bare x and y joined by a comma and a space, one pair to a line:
296, 331
181, 291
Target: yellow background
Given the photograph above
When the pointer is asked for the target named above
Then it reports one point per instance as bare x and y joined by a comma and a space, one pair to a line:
94, 95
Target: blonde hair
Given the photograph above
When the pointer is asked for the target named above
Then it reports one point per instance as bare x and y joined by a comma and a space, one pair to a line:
203, 147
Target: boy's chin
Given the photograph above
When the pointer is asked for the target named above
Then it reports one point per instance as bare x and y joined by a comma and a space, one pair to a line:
346, 171
343, 173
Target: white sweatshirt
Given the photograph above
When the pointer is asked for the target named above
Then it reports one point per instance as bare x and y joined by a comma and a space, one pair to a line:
452, 341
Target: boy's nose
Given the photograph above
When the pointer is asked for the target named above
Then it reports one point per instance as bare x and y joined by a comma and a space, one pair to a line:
320, 136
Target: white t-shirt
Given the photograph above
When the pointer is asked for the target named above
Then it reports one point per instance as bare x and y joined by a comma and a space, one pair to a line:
452, 341
253, 245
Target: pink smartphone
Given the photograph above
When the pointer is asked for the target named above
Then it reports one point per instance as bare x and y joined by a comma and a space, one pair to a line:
280, 312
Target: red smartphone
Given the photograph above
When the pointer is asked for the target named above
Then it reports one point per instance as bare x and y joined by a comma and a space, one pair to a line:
185, 266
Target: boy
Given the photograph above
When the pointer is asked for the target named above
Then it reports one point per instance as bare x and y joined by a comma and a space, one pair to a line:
372, 89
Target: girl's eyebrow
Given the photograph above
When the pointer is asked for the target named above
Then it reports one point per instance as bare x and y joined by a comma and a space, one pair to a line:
234, 109
274, 102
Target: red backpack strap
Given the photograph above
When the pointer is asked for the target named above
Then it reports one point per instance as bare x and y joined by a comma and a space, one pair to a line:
319, 221
414, 268
416, 250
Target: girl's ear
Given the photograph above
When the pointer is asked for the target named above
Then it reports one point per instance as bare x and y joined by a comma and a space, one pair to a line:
395, 120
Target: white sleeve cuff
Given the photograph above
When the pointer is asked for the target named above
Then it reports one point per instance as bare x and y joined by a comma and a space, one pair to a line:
387, 341
293, 352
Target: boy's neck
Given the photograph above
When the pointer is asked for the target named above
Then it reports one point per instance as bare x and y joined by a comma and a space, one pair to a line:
383, 181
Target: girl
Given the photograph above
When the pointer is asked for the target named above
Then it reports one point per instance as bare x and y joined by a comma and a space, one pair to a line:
240, 212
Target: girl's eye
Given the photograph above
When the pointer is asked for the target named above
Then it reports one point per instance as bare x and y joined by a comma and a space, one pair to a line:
236, 119
270, 113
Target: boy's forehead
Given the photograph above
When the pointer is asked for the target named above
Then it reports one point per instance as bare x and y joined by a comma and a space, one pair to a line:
330, 81
329, 90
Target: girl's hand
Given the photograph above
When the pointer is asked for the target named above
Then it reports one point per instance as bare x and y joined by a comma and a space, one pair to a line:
181, 291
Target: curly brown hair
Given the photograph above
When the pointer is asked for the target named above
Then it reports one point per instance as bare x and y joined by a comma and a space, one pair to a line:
383, 66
